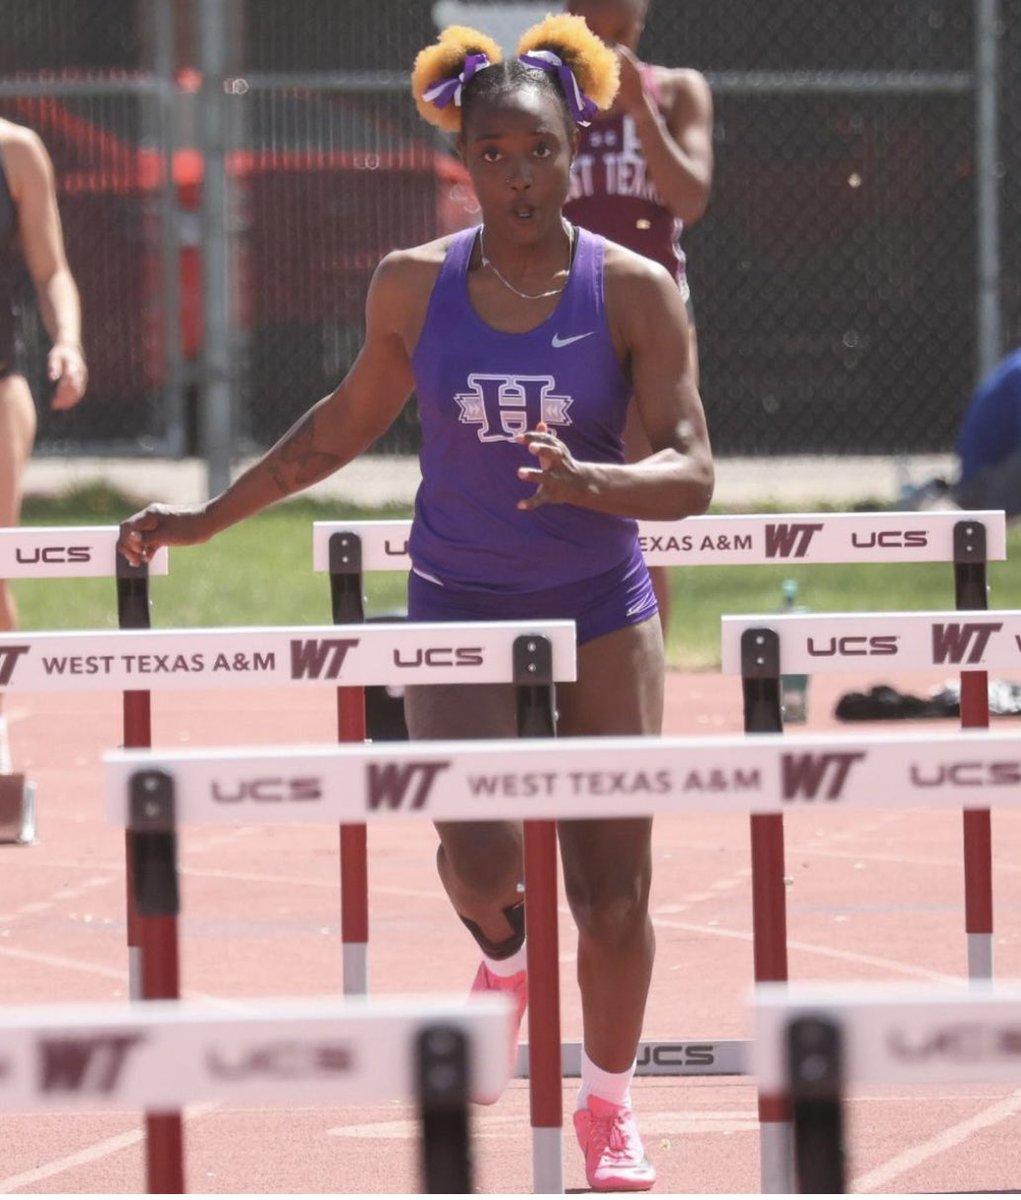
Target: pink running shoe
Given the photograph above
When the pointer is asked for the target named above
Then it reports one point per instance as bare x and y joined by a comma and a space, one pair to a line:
516, 986
614, 1155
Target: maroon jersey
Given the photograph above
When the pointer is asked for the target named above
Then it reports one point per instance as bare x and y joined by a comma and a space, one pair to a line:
613, 195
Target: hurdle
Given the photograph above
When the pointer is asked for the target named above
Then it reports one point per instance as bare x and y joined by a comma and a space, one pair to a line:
543, 779
533, 654
759, 649
965, 540
165, 1054
813, 1042
75, 552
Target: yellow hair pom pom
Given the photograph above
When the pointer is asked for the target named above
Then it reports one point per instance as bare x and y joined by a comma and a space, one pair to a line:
443, 62
594, 64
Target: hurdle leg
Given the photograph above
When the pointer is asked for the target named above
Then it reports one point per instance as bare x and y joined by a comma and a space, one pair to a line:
545, 1083
769, 926
978, 851
152, 831
815, 1074
164, 1141
137, 736
971, 594
354, 869
441, 1063
763, 713
347, 608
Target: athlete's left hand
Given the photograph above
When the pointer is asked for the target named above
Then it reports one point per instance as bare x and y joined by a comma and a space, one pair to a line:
558, 479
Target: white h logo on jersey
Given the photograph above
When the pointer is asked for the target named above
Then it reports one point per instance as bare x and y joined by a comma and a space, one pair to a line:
506, 405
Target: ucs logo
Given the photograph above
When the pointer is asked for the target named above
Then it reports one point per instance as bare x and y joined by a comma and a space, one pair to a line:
967, 1042
853, 646
54, 554
273, 789
676, 1054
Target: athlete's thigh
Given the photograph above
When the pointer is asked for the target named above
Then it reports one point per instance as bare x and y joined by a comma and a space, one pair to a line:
17, 433
466, 711
460, 710
619, 689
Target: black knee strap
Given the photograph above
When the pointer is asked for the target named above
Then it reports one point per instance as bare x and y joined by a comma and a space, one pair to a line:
498, 951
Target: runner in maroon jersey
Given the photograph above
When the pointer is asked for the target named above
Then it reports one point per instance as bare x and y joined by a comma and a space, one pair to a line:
644, 170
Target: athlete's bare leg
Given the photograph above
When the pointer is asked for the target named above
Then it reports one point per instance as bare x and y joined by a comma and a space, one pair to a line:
480, 862
17, 434
608, 864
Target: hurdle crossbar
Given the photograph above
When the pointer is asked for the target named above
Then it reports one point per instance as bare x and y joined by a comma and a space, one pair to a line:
165, 1054
579, 778
768, 539
813, 1042
68, 552
274, 656
842, 642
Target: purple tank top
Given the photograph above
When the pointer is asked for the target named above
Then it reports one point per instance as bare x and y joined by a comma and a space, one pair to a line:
477, 389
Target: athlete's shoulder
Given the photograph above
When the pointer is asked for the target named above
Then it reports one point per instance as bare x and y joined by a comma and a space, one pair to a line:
623, 265
414, 266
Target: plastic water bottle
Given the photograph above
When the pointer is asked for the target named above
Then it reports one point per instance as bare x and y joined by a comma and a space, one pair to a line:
793, 688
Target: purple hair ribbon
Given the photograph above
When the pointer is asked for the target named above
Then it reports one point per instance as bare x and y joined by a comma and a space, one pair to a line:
582, 108
447, 90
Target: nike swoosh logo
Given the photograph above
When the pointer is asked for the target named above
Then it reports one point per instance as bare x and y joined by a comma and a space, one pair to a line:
558, 341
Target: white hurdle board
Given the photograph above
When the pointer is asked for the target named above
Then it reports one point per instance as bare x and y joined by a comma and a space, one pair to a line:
733, 540
75, 551
896, 1033
165, 1054
837, 642
591, 778
301, 655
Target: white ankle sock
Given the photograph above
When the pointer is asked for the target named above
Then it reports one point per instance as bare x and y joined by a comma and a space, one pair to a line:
5, 749
614, 1086
505, 967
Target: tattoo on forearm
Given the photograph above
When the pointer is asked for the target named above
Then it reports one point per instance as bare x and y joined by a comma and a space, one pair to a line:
298, 462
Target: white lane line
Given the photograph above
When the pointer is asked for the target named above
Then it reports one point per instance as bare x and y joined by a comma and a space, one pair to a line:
63, 963
485, 1128
879, 1177
897, 859
90, 1154
870, 960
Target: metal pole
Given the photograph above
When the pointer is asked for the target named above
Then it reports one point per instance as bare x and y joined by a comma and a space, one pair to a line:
216, 358
989, 331
170, 252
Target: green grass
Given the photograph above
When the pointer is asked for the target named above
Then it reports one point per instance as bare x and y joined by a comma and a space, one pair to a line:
259, 573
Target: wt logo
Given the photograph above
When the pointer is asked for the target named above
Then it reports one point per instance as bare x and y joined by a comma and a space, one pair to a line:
805, 774
86, 1064
506, 405
408, 785
309, 659
9, 656
950, 643
789, 541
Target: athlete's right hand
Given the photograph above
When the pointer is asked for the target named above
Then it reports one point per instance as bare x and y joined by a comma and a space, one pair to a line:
160, 525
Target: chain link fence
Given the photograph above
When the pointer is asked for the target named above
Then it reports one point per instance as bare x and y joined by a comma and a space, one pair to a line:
851, 278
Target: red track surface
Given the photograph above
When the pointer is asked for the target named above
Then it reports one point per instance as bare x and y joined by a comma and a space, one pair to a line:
872, 896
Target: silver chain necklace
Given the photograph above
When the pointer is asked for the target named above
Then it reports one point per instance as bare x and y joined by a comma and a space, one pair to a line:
510, 286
